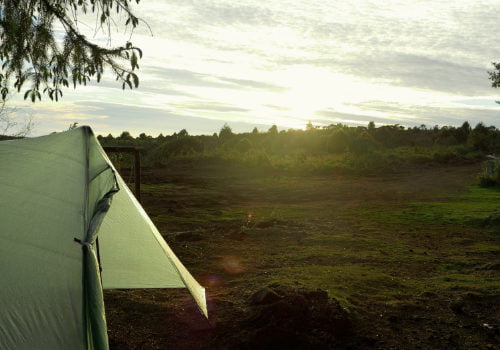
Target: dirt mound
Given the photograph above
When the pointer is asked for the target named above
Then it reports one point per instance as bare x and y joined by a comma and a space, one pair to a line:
281, 317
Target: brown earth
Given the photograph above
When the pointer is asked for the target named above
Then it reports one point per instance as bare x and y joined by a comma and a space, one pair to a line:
298, 262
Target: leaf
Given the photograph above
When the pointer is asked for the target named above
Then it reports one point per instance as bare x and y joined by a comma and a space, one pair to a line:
133, 60
140, 52
33, 53
5, 92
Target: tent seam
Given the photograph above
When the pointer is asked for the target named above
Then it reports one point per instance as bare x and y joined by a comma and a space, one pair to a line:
84, 238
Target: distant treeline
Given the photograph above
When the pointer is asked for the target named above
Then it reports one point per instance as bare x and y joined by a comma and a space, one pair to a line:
6, 137
319, 149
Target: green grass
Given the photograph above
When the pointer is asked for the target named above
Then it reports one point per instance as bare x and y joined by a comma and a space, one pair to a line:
389, 257
379, 244
475, 208
382, 251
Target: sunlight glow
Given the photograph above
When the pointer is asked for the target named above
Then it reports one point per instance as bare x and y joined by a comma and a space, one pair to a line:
269, 63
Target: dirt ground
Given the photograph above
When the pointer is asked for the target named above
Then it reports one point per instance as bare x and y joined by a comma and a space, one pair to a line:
406, 260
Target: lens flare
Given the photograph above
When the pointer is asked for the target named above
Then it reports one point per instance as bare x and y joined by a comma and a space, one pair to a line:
232, 265
210, 280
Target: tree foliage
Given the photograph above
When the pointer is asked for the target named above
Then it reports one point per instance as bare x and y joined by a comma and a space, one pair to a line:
321, 149
225, 132
38, 59
495, 75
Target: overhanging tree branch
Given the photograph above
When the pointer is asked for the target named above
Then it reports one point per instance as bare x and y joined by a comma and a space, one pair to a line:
30, 51
495, 75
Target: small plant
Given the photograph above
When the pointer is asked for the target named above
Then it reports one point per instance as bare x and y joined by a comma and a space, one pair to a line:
491, 174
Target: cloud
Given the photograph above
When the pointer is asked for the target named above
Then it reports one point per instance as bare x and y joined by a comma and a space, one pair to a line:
423, 72
419, 114
334, 117
144, 86
208, 106
231, 13
191, 78
184, 77
445, 47
278, 108
198, 15
253, 84
212, 58
409, 70
154, 120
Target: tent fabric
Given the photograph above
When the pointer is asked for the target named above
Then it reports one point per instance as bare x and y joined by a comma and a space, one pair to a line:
127, 227
58, 195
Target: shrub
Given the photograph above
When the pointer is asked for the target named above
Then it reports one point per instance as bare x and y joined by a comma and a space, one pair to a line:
491, 174
243, 145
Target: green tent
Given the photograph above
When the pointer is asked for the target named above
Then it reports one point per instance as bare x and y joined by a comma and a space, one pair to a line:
58, 194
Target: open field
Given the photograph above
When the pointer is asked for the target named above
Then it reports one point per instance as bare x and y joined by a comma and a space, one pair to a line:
412, 256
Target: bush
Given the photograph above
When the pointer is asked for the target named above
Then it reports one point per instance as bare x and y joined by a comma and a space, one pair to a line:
491, 174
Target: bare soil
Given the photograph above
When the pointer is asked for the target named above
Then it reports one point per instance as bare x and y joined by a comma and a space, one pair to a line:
319, 262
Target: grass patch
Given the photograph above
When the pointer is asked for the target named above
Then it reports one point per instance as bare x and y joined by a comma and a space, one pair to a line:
478, 208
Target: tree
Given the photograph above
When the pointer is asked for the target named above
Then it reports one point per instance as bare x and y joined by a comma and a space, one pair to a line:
33, 54
273, 130
225, 132
462, 133
338, 141
310, 126
183, 133
482, 137
243, 145
106, 139
12, 126
125, 136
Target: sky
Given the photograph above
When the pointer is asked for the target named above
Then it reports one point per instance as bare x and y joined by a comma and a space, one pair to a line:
263, 62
